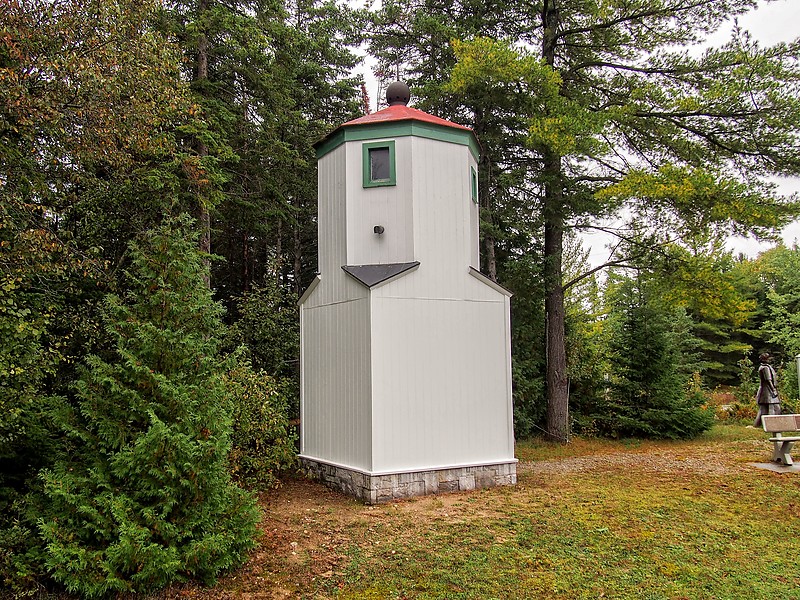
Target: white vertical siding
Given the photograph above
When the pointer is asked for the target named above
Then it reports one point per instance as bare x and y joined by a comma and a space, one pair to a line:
388, 206
336, 409
331, 221
509, 408
439, 384
335, 354
333, 184
442, 207
413, 374
440, 338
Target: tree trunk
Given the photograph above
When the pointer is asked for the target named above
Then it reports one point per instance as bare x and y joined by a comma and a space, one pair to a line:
203, 214
298, 256
491, 258
556, 376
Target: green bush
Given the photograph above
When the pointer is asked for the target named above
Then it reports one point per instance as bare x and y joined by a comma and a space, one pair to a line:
262, 438
737, 412
143, 497
267, 327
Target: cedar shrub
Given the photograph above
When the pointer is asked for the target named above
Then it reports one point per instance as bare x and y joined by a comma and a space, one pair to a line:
143, 497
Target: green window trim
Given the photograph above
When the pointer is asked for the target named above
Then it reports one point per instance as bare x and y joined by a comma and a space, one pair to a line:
366, 170
474, 184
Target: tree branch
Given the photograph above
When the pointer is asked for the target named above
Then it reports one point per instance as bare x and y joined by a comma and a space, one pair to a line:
668, 11
619, 262
611, 263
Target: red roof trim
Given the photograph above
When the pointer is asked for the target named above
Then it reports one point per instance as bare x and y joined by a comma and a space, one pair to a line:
400, 112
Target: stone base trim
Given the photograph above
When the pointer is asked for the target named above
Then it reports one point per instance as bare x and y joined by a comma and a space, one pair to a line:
375, 489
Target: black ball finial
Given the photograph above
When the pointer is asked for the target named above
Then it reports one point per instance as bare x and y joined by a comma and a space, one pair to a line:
398, 93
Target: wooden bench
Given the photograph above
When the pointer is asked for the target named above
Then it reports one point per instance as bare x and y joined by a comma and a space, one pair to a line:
778, 425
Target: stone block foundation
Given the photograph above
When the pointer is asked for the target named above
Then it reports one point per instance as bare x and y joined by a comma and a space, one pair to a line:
375, 489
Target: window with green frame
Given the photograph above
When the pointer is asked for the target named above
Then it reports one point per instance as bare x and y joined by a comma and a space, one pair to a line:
474, 184
378, 164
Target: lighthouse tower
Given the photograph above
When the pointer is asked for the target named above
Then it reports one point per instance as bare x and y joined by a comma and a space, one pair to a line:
405, 346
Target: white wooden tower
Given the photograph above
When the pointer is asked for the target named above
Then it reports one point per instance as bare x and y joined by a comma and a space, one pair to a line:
405, 346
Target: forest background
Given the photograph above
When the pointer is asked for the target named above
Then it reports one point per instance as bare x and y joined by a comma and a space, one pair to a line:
158, 224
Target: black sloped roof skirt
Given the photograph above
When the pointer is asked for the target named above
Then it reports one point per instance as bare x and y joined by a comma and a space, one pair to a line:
372, 275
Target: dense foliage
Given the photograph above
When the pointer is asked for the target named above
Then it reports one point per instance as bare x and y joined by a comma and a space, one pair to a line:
266, 328
130, 401
143, 496
113, 114
262, 439
652, 347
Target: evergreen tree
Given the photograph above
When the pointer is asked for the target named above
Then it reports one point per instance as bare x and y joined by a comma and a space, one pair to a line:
782, 276
91, 99
700, 277
268, 80
143, 496
652, 347
267, 328
523, 276
586, 337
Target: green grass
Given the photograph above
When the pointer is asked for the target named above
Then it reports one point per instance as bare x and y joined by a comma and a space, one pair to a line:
538, 449
628, 529
621, 533
660, 540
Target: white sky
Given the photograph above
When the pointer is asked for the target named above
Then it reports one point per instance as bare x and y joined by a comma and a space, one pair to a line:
771, 22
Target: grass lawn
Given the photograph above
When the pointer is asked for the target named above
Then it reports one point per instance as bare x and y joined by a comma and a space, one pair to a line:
594, 519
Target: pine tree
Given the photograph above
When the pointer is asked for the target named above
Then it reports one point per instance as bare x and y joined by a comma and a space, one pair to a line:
144, 497
649, 396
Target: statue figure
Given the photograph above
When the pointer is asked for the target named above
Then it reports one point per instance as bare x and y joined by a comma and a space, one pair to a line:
767, 396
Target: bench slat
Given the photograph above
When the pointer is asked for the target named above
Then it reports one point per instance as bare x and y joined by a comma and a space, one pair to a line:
775, 423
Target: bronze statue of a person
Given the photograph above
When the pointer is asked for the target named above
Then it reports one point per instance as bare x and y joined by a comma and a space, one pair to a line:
767, 395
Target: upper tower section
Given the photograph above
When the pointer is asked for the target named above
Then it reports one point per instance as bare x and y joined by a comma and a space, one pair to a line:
395, 184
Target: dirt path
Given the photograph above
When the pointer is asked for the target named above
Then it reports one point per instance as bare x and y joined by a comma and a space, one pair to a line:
709, 460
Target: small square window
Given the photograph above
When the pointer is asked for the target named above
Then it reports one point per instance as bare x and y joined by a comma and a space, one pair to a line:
474, 184
379, 164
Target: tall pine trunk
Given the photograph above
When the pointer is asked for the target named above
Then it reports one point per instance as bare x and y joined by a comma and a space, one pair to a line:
556, 376
556, 369
203, 213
